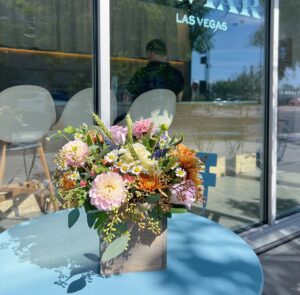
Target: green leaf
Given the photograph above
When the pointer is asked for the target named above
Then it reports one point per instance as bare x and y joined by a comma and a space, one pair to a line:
114, 249
88, 206
153, 199
94, 148
121, 228
101, 221
169, 214
178, 210
89, 140
91, 218
73, 217
154, 213
180, 140
70, 130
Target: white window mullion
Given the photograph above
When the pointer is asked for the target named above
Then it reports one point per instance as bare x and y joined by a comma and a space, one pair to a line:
272, 177
104, 59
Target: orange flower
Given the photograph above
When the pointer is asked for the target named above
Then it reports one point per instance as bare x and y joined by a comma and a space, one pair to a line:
67, 183
95, 136
149, 183
189, 162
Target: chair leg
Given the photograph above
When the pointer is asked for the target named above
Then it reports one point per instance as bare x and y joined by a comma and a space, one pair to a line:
3, 163
48, 177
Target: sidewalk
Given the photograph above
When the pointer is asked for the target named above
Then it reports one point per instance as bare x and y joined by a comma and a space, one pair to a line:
281, 267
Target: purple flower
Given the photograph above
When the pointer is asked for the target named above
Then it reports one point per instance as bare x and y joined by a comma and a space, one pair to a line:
119, 134
159, 153
183, 193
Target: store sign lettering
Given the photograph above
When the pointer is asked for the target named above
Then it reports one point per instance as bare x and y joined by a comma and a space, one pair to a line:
202, 22
246, 7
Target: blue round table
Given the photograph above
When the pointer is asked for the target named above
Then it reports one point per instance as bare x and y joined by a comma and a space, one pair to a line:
42, 256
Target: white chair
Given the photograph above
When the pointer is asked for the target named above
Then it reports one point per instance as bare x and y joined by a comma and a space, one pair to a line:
26, 115
113, 107
80, 108
157, 104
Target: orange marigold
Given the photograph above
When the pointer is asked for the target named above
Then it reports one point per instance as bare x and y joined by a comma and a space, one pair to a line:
149, 183
189, 162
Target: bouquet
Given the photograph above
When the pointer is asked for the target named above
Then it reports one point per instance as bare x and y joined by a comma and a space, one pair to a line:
125, 176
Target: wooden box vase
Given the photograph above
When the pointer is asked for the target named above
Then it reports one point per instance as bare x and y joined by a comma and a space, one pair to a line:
146, 252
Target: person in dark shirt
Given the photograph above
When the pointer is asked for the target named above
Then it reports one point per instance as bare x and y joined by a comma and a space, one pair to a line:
157, 74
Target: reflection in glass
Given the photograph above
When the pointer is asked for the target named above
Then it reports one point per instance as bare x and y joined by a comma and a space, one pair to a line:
220, 55
288, 137
46, 73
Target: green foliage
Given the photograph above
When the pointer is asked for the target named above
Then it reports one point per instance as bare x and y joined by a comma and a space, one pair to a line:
114, 249
73, 216
153, 199
70, 130
102, 126
156, 213
74, 197
130, 138
129, 129
101, 221
178, 210
89, 141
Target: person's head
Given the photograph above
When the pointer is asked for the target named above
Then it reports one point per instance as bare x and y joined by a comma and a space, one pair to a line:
156, 50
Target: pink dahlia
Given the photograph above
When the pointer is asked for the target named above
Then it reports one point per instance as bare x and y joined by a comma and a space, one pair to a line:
142, 127
75, 153
183, 193
108, 191
118, 134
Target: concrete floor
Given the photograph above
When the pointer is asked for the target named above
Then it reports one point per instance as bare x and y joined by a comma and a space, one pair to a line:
281, 267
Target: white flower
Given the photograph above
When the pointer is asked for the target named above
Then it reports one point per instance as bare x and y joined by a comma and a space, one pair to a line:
111, 157
124, 168
74, 175
137, 170
180, 172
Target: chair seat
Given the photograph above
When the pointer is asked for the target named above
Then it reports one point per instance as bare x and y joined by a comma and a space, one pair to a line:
21, 146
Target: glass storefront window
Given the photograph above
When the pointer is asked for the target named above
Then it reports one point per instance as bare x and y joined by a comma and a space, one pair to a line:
288, 137
46, 74
210, 54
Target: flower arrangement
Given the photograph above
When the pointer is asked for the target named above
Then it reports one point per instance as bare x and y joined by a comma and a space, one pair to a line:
126, 175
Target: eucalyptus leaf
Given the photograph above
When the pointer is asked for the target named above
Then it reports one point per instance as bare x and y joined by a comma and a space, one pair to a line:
73, 217
114, 249
153, 199
178, 210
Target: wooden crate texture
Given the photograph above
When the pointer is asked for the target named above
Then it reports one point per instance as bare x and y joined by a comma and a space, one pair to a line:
146, 252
